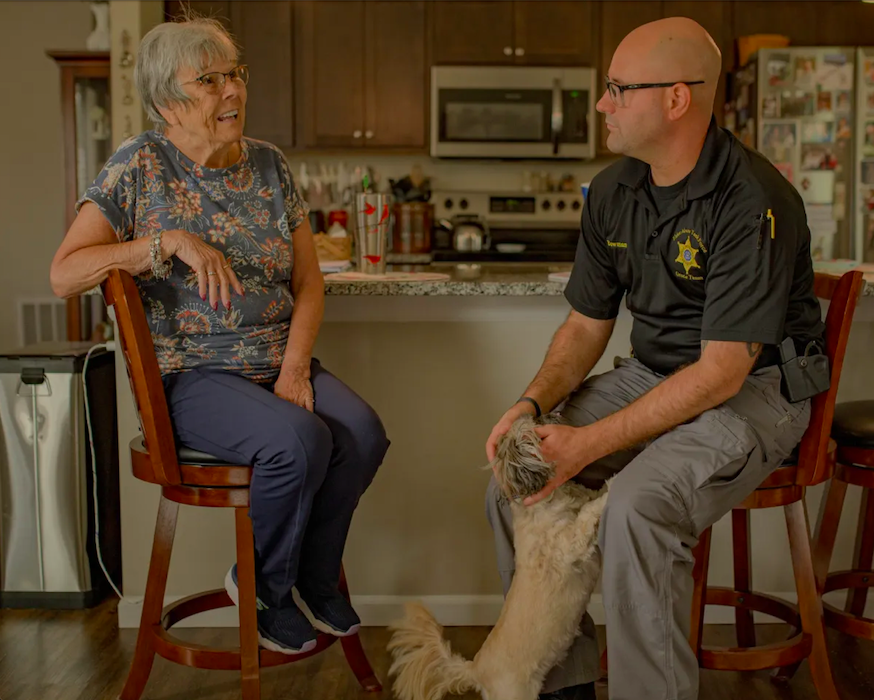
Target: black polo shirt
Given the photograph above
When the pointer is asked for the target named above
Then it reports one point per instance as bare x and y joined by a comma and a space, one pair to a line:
707, 267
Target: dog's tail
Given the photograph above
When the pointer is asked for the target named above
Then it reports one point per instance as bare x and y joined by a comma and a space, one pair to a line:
424, 666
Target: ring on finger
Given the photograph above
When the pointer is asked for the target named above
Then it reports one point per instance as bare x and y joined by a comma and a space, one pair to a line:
210, 273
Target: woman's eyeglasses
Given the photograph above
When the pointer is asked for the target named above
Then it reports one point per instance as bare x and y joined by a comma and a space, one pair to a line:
617, 91
214, 82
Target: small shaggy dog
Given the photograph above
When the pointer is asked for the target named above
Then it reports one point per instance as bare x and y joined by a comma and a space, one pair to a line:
557, 567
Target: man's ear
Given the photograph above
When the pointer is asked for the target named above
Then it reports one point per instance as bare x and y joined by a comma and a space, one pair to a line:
680, 100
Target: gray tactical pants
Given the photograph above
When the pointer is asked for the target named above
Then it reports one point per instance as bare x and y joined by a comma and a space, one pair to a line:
667, 492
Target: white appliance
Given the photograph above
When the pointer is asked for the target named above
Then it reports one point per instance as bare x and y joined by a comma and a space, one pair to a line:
513, 112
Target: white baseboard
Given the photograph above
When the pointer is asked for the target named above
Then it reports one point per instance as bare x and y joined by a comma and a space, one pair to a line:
450, 610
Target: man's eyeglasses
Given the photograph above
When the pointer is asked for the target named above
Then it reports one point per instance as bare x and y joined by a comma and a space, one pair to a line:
617, 91
214, 82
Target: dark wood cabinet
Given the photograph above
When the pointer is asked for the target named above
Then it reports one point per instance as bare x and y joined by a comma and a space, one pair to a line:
617, 20
363, 74
524, 32
797, 20
331, 72
263, 29
473, 32
556, 33
397, 95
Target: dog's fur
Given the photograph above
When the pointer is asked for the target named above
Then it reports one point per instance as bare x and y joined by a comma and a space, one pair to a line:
557, 567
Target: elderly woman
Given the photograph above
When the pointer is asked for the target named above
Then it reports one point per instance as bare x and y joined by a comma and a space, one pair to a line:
217, 236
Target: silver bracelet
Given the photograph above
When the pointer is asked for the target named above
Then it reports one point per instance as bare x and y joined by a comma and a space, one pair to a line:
160, 269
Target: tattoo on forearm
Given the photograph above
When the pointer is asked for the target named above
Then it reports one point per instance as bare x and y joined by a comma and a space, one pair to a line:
753, 348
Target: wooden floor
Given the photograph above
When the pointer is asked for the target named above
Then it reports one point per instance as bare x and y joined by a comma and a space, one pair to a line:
82, 655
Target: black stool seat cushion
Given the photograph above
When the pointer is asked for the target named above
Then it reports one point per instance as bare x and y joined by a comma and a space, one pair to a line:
853, 425
186, 455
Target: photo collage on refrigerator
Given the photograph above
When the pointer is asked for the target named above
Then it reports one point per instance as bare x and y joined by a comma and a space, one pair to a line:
797, 106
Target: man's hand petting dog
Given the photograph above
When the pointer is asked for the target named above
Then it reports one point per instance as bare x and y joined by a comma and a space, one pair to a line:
568, 449
502, 427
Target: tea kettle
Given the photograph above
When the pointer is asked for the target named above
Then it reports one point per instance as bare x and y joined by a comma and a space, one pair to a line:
469, 232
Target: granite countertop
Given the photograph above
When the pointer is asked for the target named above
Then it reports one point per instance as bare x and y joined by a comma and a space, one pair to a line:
484, 279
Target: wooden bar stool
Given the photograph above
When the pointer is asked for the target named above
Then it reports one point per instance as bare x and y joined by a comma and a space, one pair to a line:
813, 464
853, 431
196, 479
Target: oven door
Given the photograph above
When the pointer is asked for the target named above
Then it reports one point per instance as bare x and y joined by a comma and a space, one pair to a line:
512, 112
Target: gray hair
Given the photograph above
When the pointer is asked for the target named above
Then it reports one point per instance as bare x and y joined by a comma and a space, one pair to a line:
519, 466
196, 42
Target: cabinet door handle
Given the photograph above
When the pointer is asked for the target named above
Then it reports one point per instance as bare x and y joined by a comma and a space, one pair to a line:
356, 134
368, 134
508, 50
520, 51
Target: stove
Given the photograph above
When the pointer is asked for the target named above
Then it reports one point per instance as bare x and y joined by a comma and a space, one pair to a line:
524, 227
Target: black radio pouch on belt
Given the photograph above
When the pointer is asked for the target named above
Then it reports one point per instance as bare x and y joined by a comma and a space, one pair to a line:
804, 376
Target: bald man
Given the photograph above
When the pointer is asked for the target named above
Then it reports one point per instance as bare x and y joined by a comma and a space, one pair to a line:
710, 246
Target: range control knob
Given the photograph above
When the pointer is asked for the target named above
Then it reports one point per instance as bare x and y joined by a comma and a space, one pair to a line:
576, 205
561, 205
463, 204
547, 205
448, 203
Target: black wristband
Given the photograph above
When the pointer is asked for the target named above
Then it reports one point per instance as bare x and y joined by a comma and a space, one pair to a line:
533, 403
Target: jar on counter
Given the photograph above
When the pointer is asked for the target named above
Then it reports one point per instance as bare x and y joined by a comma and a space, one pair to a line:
412, 227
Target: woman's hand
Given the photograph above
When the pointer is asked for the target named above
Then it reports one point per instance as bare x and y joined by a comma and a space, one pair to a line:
295, 386
214, 273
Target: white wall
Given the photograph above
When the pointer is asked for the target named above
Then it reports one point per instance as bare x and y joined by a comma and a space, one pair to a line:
32, 160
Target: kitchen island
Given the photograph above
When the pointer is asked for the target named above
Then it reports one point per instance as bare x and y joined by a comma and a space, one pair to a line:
440, 362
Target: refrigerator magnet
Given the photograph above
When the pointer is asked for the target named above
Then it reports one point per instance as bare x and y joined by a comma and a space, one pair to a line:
816, 156
805, 71
779, 140
868, 172
817, 187
779, 69
817, 132
771, 106
824, 102
796, 103
842, 101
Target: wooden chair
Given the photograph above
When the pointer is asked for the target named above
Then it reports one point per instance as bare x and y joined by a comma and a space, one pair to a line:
813, 464
853, 431
196, 479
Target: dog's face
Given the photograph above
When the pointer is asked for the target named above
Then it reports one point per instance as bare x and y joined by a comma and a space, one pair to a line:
519, 466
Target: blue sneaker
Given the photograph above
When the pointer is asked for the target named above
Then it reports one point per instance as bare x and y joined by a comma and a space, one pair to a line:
331, 613
285, 630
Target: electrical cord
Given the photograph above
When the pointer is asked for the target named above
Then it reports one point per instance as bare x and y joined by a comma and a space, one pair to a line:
109, 345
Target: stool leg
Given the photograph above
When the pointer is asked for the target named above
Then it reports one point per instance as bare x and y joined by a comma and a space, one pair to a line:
829, 518
153, 604
354, 652
740, 534
250, 669
699, 589
809, 602
864, 553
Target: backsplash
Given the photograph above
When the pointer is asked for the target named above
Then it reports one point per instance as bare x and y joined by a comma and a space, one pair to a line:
451, 175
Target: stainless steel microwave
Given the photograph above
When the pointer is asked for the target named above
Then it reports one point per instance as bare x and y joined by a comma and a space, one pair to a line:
512, 112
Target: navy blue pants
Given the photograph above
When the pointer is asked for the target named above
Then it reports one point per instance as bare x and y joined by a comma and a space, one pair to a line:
310, 469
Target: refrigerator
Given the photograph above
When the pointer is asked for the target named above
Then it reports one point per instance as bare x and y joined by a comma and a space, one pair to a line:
803, 108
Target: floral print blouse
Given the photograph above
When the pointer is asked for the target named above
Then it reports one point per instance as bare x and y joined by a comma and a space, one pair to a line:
247, 211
